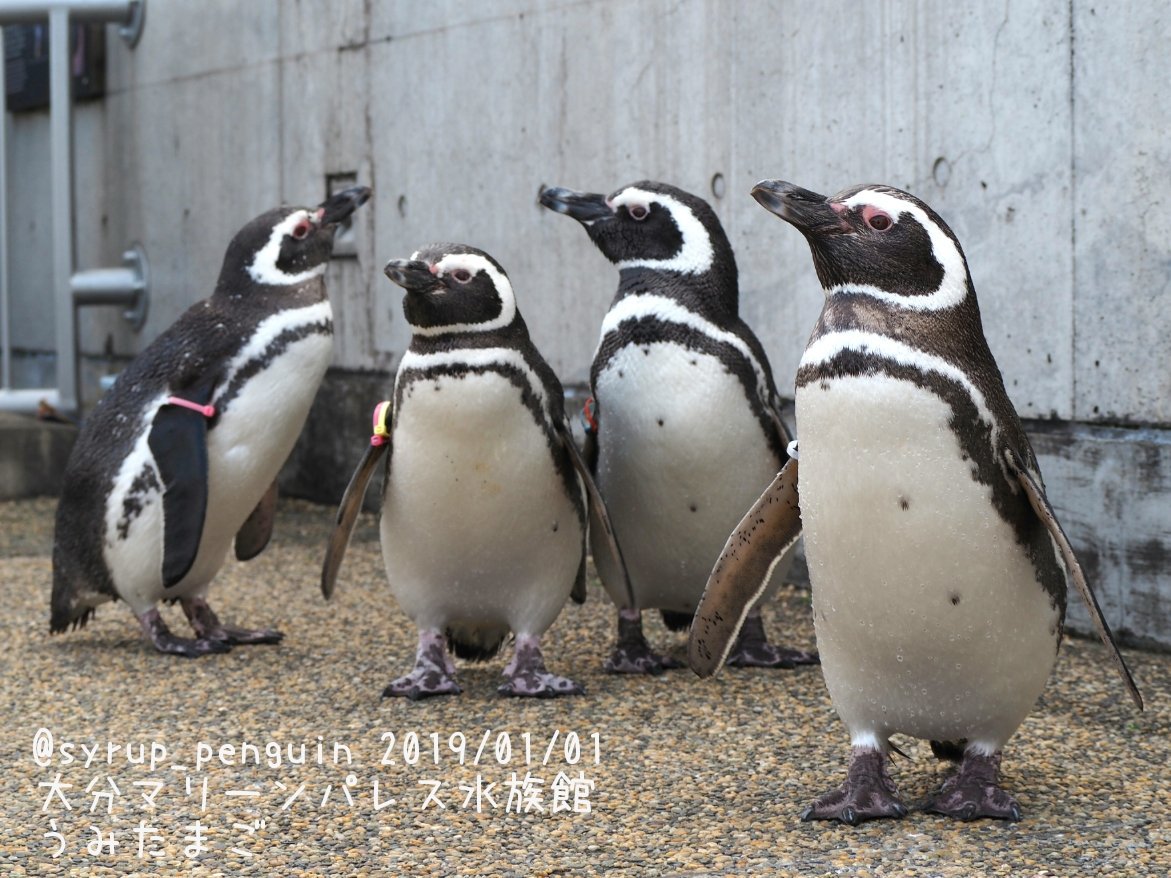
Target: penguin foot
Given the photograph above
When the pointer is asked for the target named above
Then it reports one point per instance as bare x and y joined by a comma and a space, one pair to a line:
867, 794
422, 682
753, 650
974, 791
433, 674
165, 642
207, 626
526, 677
632, 654
233, 635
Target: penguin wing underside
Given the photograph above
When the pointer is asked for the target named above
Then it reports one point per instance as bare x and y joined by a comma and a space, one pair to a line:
178, 443
1040, 503
599, 515
347, 516
256, 530
765, 533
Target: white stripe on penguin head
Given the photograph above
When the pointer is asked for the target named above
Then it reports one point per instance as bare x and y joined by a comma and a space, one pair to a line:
264, 268
953, 287
696, 253
474, 263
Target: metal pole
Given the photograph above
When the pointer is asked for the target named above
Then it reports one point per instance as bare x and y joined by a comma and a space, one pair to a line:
5, 319
61, 199
13, 11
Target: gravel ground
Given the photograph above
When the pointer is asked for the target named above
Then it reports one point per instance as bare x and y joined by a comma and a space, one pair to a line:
688, 777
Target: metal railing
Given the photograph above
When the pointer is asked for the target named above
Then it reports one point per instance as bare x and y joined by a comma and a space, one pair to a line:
125, 286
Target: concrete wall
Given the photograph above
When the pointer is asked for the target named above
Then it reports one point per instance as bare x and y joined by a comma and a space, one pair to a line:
1037, 130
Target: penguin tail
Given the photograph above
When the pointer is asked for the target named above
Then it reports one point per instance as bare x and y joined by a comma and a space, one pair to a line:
65, 613
476, 644
676, 621
949, 751
73, 600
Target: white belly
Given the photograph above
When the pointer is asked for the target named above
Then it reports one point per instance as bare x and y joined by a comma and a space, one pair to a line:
681, 459
246, 450
477, 528
929, 617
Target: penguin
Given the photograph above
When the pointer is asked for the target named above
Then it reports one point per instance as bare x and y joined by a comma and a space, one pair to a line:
938, 567
682, 389
485, 496
179, 458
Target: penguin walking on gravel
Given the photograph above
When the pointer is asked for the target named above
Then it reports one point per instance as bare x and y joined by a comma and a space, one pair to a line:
485, 496
937, 564
178, 460
684, 428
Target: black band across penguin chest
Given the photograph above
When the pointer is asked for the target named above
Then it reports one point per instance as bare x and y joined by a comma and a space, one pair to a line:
428, 367
979, 434
642, 332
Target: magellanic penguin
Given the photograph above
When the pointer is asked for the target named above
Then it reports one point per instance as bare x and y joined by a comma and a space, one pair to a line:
685, 428
179, 458
937, 565
484, 503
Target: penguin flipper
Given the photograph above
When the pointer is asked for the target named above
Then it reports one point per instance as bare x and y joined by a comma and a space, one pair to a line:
347, 512
1045, 514
742, 571
256, 531
178, 442
599, 516
578, 593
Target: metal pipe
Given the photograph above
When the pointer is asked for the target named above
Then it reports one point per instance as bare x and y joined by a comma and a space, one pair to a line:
60, 13
61, 201
126, 286
23, 11
28, 402
5, 318
129, 15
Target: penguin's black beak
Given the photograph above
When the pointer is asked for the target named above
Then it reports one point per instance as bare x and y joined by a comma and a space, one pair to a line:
810, 213
341, 204
585, 207
413, 275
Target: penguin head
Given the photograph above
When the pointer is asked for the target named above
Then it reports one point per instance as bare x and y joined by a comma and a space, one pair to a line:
287, 246
875, 240
453, 288
650, 225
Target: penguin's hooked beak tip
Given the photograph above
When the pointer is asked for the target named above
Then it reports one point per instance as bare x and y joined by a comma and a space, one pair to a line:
413, 275
340, 205
585, 207
805, 210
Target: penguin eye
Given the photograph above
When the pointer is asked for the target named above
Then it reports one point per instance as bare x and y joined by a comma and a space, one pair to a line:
638, 212
462, 275
877, 220
301, 229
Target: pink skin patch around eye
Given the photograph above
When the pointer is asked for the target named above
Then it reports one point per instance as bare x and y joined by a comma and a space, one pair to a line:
320, 215
870, 211
434, 269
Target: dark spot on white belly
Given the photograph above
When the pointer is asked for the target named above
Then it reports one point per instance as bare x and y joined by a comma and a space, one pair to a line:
134, 501
693, 508
904, 503
555, 526
660, 422
955, 599
620, 375
646, 352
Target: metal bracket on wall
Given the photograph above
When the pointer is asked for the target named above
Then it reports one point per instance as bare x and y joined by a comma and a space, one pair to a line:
128, 286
